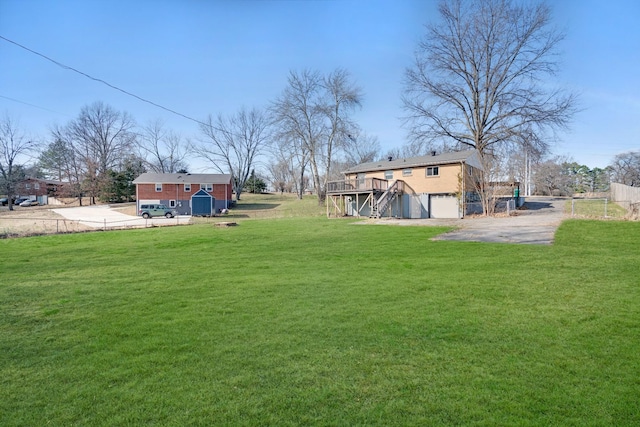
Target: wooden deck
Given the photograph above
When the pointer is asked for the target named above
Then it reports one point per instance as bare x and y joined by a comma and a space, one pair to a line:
353, 186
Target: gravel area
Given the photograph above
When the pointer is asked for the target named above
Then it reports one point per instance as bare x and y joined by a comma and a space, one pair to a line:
535, 223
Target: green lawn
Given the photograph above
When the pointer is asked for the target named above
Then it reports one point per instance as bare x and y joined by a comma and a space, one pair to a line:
310, 321
595, 208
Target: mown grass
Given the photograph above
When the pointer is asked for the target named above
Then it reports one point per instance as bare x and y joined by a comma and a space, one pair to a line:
595, 208
270, 206
320, 322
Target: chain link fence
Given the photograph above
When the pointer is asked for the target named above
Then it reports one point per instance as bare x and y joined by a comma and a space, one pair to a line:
596, 208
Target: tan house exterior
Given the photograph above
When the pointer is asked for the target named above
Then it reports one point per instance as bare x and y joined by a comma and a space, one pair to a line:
432, 186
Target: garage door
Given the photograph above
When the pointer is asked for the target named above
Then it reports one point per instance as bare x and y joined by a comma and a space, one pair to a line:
444, 206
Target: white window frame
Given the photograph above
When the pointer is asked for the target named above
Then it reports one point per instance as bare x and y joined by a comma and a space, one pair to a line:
36, 186
407, 172
158, 187
388, 174
209, 187
433, 169
172, 203
27, 186
187, 188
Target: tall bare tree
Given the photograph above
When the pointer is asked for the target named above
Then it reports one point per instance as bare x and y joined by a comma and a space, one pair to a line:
233, 144
479, 76
61, 160
98, 138
315, 112
164, 150
13, 144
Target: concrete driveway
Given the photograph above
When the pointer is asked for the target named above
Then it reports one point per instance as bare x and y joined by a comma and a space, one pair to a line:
102, 216
536, 223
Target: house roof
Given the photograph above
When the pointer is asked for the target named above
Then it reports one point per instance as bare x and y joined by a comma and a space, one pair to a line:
467, 156
183, 178
46, 181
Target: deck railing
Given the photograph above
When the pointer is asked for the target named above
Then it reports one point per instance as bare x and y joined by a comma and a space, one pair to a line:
357, 184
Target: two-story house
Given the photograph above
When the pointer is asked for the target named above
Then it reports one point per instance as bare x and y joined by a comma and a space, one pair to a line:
180, 190
431, 186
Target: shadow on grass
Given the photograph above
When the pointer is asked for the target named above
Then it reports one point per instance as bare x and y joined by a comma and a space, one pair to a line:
256, 206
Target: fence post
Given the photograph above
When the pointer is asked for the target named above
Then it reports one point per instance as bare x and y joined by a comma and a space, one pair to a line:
572, 206
105, 224
605, 208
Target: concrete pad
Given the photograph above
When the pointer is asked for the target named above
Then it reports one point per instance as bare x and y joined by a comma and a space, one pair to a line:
536, 223
103, 217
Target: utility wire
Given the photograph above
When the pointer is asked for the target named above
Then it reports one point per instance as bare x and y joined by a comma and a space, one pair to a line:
32, 105
66, 67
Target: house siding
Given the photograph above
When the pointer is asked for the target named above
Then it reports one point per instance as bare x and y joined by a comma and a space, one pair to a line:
447, 182
146, 193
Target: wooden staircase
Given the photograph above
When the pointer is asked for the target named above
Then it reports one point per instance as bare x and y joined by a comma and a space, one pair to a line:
380, 205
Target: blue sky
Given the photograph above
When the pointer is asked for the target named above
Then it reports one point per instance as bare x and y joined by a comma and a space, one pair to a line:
200, 57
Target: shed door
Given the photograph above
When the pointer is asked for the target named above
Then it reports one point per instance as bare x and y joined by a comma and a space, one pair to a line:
444, 206
201, 205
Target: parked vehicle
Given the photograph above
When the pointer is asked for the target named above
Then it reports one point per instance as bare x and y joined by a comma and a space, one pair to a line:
28, 203
4, 201
148, 211
20, 200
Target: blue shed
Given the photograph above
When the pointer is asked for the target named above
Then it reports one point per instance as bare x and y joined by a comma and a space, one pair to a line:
202, 203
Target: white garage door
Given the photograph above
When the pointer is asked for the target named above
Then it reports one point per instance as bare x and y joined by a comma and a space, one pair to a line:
444, 206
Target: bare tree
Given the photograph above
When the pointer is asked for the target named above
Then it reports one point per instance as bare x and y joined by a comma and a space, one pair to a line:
360, 147
61, 159
625, 169
233, 144
314, 112
103, 135
552, 177
13, 144
478, 76
99, 138
163, 150
289, 165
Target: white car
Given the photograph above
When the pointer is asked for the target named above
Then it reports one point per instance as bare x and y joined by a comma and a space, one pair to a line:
29, 203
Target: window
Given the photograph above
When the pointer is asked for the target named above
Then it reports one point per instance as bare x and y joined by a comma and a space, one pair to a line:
388, 175
27, 186
433, 171
187, 188
158, 188
209, 187
172, 203
36, 186
407, 172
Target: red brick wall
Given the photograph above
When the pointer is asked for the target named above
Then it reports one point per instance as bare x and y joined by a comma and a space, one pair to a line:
148, 192
22, 189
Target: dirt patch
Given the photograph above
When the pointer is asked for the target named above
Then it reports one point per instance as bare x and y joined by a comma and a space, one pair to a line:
35, 220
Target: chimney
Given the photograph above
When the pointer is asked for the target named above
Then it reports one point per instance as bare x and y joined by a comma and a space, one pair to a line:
390, 158
433, 153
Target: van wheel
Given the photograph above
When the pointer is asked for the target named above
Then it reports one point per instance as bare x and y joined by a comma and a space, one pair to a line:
145, 215
168, 215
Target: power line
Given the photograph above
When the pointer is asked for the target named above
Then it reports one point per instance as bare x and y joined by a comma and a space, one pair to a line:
66, 67
32, 105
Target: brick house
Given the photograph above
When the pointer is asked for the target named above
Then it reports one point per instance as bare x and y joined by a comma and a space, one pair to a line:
176, 190
431, 186
40, 189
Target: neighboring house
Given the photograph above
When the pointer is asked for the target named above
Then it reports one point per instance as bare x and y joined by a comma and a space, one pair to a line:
432, 186
177, 191
39, 189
